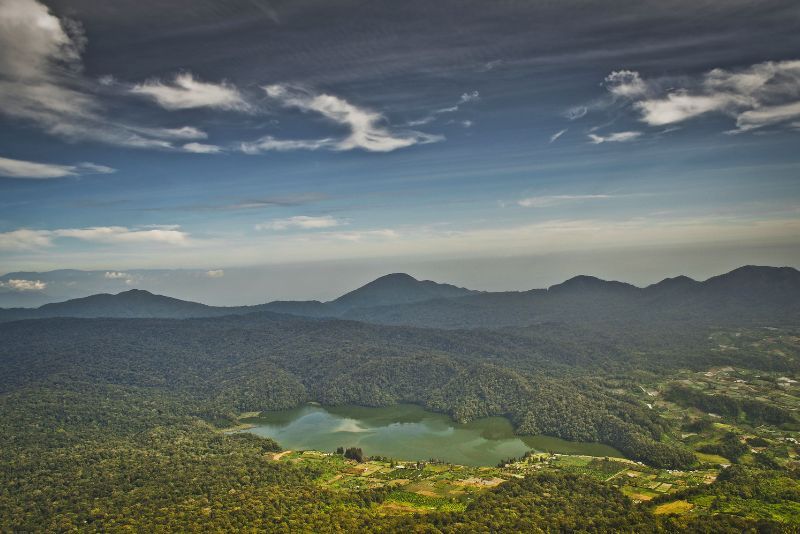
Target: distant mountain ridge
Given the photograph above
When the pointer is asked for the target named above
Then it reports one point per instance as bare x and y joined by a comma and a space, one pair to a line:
749, 293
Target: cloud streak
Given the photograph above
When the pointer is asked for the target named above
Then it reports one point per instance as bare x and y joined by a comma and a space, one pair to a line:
16, 168
616, 137
558, 134
547, 201
202, 148
300, 221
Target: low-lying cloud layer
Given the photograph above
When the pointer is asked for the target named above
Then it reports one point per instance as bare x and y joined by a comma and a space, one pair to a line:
27, 239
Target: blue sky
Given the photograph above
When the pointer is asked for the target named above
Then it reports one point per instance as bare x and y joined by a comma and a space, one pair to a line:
221, 136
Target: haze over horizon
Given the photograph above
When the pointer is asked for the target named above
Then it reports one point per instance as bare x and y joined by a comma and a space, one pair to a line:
298, 150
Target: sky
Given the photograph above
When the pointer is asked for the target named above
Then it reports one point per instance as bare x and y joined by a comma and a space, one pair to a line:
276, 149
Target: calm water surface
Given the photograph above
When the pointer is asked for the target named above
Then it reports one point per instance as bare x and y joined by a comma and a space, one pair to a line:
409, 432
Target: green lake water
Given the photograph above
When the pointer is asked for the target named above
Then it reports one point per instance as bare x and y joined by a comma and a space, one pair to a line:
409, 432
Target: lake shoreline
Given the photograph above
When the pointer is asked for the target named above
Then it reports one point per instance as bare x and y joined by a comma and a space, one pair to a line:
409, 432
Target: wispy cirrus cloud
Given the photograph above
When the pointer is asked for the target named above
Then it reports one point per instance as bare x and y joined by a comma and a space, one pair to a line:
361, 235
368, 129
465, 98
546, 201
186, 92
16, 168
300, 221
558, 134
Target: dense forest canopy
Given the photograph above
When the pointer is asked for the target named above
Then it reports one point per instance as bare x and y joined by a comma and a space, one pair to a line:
109, 422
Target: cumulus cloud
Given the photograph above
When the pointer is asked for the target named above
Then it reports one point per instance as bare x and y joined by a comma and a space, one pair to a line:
216, 273
616, 137
16, 168
116, 275
547, 201
27, 239
763, 94
300, 221
24, 285
366, 127
201, 148
185, 92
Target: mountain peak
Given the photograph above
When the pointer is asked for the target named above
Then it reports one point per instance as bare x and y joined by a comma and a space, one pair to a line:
670, 284
134, 291
397, 288
394, 278
589, 283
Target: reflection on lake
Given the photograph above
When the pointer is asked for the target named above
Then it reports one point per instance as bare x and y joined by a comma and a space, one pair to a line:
409, 432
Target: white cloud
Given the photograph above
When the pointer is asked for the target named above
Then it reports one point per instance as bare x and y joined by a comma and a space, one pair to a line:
367, 131
42, 82
625, 83
26, 239
765, 116
360, 235
464, 99
300, 221
15, 168
186, 92
34, 41
116, 275
763, 94
680, 106
470, 97
201, 148
270, 143
123, 235
216, 273
24, 285
547, 201
576, 112
185, 132
557, 134
93, 168
616, 137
